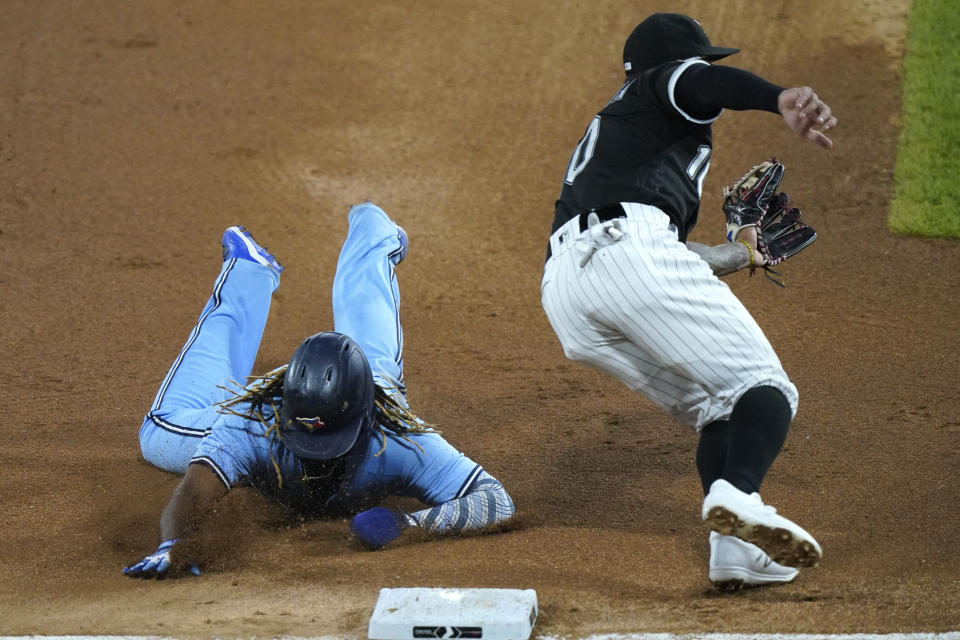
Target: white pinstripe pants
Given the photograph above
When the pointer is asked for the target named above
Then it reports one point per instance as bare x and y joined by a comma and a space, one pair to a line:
637, 304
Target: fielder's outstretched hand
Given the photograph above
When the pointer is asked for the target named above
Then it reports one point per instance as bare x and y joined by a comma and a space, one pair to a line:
807, 115
157, 563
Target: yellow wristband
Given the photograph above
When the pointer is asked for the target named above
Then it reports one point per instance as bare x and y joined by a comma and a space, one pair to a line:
749, 248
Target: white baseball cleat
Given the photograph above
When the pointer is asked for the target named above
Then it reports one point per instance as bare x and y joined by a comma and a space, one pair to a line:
735, 564
731, 512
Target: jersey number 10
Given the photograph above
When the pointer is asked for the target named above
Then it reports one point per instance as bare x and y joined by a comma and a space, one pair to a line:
696, 170
584, 151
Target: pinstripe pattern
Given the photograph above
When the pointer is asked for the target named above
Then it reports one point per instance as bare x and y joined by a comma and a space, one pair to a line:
648, 311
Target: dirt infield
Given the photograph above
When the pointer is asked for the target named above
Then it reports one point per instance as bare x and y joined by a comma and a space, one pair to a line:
133, 133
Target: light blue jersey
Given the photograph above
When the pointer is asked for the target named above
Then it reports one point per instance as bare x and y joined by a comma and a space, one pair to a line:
185, 425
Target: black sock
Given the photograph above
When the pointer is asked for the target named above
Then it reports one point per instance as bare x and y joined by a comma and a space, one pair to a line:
712, 453
757, 431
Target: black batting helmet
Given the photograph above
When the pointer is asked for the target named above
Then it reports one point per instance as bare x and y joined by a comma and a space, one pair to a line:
665, 37
328, 393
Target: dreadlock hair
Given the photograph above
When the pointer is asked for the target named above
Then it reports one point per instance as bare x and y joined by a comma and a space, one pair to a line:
398, 419
266, 391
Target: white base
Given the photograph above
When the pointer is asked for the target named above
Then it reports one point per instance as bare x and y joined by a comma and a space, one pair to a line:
419, 612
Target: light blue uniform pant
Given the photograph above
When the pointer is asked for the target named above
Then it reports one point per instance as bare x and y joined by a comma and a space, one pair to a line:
221, 349
366, 299
223, 345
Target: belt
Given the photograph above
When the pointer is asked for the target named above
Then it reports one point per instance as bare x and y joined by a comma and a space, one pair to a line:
578, 224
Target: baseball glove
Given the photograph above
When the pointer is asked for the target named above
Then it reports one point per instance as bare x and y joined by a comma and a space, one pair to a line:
753, 201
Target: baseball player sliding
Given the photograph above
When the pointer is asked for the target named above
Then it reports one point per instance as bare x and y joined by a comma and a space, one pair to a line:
626, 292
330, 433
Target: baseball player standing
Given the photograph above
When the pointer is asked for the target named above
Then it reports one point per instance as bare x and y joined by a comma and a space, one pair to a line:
626, 292
329, 434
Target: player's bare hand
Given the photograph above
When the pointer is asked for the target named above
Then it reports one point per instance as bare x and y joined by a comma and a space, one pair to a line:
749, 235
807, 115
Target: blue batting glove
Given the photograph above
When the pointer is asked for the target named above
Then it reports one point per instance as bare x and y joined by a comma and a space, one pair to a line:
156, 564
379, 526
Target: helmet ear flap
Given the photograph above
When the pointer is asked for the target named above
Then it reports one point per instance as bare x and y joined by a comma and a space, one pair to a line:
328, 397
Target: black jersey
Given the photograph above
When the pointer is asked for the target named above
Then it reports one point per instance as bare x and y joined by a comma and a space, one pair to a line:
641, 148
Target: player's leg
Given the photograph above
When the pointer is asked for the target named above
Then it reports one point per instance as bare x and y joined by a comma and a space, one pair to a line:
696, 350
758, 401
755, 433
736, 449
742, 449
687, 341
366, 298
650, 312
757, 430
220, 350
711, 455
733, 562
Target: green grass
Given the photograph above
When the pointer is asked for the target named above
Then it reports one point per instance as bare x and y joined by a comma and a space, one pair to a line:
926, 198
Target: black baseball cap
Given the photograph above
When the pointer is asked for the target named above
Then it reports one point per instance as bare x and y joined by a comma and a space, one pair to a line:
665, 37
